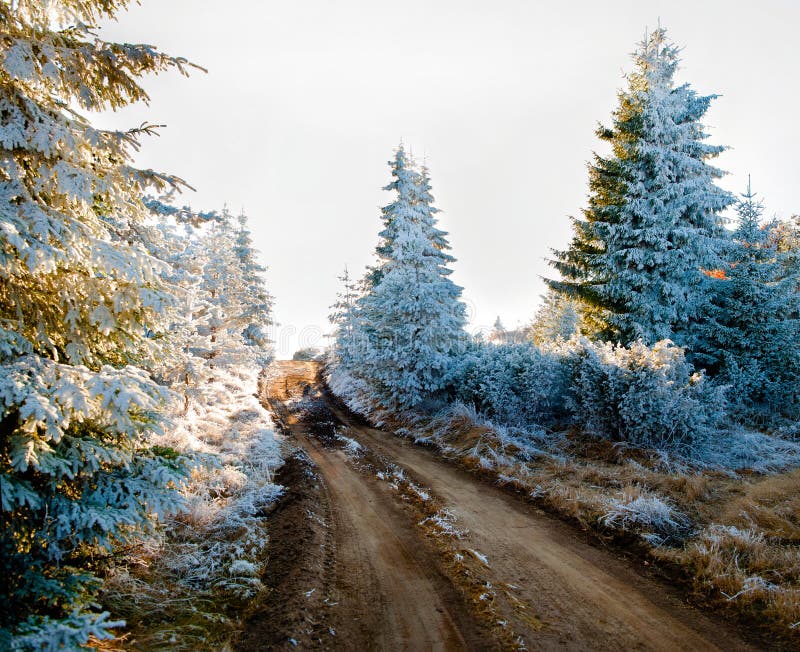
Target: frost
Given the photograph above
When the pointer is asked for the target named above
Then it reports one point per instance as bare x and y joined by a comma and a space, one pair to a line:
742, 449
643, 511
648, 396
351, 446
753, 583
444, 524
398, 336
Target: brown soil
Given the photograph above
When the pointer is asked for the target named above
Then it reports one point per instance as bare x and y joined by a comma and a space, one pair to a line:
381, 582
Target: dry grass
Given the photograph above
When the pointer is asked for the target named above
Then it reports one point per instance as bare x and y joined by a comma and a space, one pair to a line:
771, 504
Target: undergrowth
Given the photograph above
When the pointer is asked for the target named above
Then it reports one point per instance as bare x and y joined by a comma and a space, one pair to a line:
186, 588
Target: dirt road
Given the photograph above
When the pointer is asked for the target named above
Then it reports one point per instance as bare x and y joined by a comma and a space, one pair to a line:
497, 574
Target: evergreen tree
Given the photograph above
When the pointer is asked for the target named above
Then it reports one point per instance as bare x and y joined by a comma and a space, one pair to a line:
409, 324
752, 336
498, 333
413, 198
405, 184
556, 319
83, 313
185, 367
343, 317
652, 225
237, 301
257, 302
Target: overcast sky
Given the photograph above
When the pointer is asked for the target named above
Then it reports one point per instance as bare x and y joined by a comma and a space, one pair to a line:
305, 100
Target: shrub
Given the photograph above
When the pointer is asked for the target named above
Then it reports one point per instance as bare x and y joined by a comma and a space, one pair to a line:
647, 396
635, 510
516, 384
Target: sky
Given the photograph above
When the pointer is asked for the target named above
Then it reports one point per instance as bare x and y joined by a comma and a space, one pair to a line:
304, 102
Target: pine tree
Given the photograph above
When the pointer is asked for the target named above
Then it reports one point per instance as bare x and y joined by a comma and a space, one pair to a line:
751, 339
411, 320
652, 225
185, 367
413, 198
405, 184
83, 314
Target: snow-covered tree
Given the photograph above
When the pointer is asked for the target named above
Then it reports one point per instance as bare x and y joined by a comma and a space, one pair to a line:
498, 332
558, 318
405, 184
256, 300
185, 366
223, 304
652, 225
751, 338
409, 323
227, 293
413, 198
83, 314
343, 317
414, 322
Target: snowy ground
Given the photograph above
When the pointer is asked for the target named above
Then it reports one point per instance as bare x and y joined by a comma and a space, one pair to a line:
185, 589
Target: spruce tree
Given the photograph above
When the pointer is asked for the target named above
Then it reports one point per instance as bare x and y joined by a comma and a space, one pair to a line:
83, 315
238, 304
751, 337
343, 317
257, 301
652, 226
405, 184
413, 198
409, 325
557, 319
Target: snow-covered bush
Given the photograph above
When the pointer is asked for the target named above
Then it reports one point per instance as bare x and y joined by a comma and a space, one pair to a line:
636, 510
746, 449
647, 396
354, 391
515, 384
214, 550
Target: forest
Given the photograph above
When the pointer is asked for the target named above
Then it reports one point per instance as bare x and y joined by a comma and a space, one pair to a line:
653, 399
